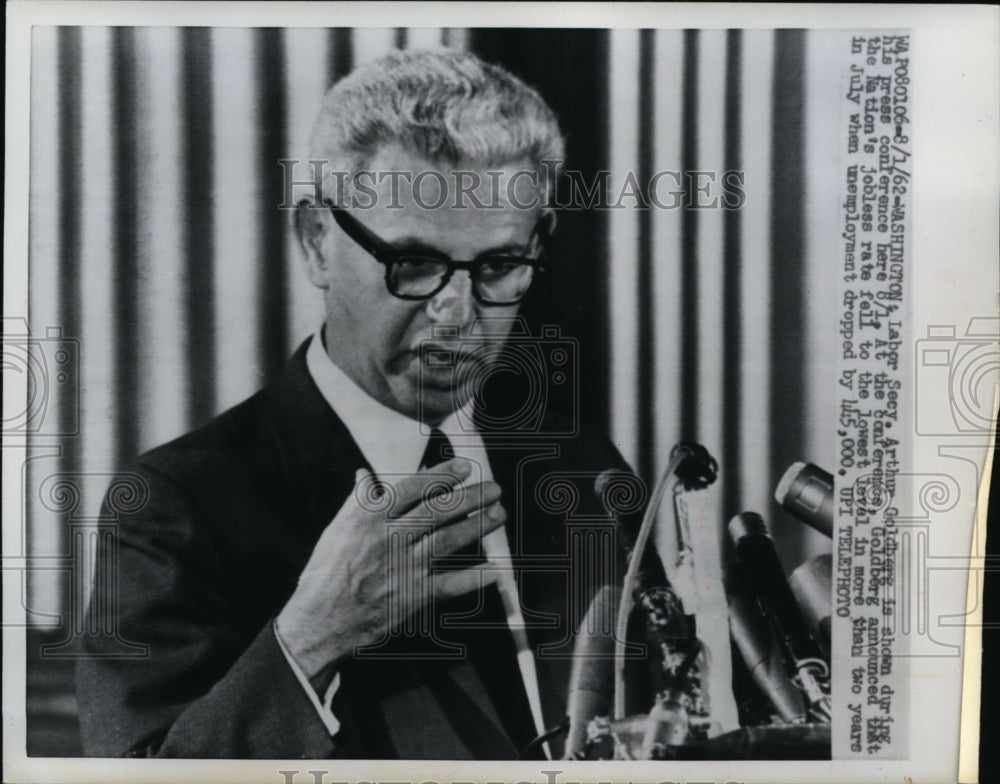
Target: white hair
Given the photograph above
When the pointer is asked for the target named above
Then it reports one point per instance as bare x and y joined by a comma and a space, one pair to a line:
445, 105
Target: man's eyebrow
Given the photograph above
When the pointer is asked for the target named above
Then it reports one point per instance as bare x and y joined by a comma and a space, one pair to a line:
414, 244
418, 245
507, 249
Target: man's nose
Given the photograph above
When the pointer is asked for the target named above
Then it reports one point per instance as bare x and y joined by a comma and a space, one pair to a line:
455, 303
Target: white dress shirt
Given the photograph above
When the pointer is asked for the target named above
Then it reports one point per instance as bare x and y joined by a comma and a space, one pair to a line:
394, 444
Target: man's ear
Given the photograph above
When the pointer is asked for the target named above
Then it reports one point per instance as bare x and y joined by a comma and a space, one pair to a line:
311, 230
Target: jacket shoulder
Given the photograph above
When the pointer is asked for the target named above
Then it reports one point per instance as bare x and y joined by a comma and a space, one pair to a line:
237, 437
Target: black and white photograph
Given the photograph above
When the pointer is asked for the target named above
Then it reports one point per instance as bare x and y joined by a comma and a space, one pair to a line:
453, 389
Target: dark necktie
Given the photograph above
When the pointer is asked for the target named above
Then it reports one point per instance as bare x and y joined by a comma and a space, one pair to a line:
490, 645
438, 450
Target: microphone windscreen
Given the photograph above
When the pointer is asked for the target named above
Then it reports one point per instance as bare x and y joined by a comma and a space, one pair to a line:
811, 585
806, 490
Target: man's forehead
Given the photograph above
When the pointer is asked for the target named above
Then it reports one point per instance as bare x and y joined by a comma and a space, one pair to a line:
397, 178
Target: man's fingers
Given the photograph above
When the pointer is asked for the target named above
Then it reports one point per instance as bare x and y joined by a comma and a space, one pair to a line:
462, 502
450, 538
448, 585
411, 490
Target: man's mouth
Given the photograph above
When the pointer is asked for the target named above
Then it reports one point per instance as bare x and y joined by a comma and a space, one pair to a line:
448, 365
435, 355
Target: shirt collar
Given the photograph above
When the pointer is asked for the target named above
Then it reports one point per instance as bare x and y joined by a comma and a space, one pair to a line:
391, 442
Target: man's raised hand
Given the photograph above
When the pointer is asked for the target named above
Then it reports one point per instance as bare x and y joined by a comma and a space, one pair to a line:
348, 596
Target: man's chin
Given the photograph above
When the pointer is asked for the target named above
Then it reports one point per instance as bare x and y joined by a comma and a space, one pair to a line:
432, 392
435, 404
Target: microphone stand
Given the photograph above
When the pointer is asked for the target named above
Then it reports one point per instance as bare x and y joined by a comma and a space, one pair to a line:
700, 470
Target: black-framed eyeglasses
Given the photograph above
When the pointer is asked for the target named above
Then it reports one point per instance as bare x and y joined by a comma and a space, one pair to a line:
497, 279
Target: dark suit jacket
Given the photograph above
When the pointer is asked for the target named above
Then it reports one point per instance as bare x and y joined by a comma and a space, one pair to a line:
233, 512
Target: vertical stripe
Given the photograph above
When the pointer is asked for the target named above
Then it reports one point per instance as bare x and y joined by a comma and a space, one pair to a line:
622, 242
425, 38
399, 39
755, 236
272, 322
159, 262
729, 461
199, 223
236, 231
91, 269
70, 66
689, 244
645, 306
370, 43
102, 408
305, 86
340, 52
705, 204
788, 245
44, 530
456, 38
667, 217
126, 317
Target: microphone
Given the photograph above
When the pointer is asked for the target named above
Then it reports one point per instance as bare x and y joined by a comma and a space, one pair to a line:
592, 677
756, 644
805, 662
811, 584
806, 491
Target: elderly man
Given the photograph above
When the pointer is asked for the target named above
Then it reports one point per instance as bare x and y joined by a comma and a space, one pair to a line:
362, 560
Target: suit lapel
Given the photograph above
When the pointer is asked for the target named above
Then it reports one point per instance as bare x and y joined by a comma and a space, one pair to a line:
318, 456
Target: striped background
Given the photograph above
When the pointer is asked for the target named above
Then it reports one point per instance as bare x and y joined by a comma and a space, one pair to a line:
156, 241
